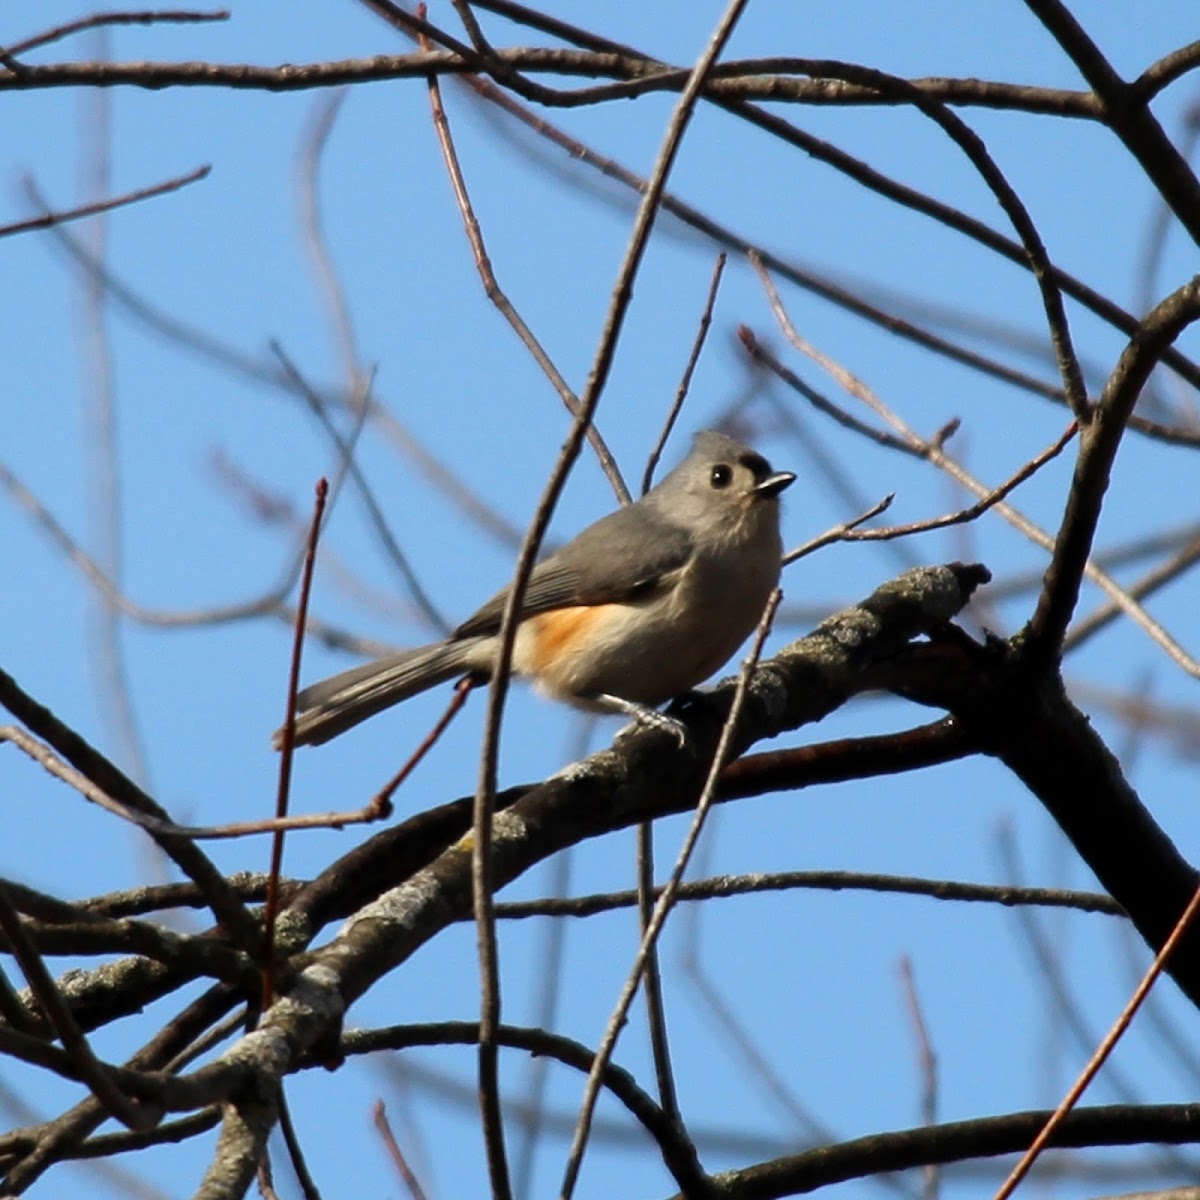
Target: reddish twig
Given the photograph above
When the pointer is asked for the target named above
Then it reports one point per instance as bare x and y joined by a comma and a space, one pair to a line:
287, 748
383, 798
1105, 1048
265, 1179
379, 1114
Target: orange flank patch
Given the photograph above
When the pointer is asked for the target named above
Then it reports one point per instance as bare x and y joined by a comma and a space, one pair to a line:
555, 632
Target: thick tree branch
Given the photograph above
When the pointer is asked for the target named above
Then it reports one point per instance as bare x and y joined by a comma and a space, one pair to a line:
645, 774
775, 78
1116, 1125
1023, 716
1127, 113
1093, 468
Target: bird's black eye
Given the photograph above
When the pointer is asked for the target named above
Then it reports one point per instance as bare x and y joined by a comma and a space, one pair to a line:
721, 476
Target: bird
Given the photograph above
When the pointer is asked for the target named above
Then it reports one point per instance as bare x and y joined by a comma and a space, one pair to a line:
639, 608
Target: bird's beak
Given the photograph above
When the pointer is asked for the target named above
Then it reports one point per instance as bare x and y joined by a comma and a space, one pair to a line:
773, 484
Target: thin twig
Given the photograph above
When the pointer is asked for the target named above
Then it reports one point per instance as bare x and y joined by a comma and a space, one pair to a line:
656, 1017
971, 512
819, 285
48, 219
1139, 358
101, 20
1120, 554
665, 901
655, 1012
589, 400
472, 26
854, 168
265, 1178
100, 579
496, 294
45, 757
548, 987
308, 1185
761, 355
926, 1062
136, 901
1037, 260
410, 1181
685, 381
839, 532
270, 603
986, 502
620, 1083
310, 158
349, 466
383, 798
107, 660
230, 358
1103, 1051
169, 1133
1149, 583
212, 1037
288, 747
481, 844
722, 887
98, 770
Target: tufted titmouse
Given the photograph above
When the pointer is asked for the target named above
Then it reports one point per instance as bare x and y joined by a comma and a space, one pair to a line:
641, 607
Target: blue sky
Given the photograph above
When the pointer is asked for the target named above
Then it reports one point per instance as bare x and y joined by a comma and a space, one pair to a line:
812, 975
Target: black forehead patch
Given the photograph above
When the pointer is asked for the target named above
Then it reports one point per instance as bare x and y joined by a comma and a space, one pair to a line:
755, 463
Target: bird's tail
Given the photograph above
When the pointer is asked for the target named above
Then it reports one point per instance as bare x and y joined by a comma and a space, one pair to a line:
340, 702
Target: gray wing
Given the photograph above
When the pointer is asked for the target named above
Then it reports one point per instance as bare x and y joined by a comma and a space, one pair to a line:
623, 556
